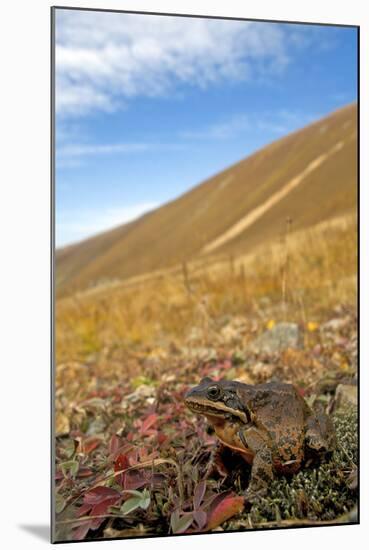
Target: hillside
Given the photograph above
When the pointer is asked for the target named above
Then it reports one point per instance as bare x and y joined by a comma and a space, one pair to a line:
308, 176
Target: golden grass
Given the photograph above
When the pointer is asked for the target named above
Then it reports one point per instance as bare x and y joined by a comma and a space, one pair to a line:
295, 278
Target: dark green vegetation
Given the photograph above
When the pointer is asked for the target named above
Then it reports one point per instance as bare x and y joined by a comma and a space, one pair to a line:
321, 156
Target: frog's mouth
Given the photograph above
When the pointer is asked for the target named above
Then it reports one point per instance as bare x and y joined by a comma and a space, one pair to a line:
218, 409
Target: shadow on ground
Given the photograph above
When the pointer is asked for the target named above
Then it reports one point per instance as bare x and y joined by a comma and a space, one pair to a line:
40, 531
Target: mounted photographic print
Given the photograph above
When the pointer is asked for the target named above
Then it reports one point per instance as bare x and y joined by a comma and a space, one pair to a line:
205, 202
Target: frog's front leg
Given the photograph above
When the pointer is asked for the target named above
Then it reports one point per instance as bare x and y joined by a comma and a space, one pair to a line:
262, 466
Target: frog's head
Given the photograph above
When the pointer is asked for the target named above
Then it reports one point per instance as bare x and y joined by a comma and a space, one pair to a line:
217, 399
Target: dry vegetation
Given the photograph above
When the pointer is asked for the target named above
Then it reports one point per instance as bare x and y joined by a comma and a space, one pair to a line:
300, 276
130, 460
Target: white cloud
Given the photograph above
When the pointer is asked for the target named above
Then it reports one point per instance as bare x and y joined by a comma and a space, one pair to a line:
220, 130
103, 59
71, 155
78, 150
91, 222
278, 122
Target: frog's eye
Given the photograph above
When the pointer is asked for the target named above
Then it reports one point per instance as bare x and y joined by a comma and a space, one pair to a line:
213, 392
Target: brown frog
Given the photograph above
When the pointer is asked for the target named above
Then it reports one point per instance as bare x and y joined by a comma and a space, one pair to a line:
270, 425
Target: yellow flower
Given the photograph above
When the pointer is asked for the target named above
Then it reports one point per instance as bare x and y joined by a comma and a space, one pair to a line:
311, 326
270, 324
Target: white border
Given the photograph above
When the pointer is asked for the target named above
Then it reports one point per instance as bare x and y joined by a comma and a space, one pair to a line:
24, 247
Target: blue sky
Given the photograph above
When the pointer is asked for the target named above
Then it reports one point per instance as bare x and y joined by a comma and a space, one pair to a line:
148, 106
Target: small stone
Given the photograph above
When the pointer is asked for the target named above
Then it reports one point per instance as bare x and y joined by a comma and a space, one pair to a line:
281, 336
143, 392
346, 396
169, 378
334, 325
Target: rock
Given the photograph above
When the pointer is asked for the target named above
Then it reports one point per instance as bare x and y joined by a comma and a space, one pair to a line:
142, 393
334, 325
280, 337
346, 396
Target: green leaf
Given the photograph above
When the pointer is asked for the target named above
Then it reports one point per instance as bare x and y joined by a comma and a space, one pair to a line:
130, 505
138, 500
181, 524
142, 381
69, 448
59, 503
70, 467
145, 500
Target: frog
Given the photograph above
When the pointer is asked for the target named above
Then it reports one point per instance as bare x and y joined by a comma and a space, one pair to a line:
270, 425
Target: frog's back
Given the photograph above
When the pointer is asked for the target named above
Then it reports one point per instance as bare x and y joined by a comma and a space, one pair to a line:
281, 411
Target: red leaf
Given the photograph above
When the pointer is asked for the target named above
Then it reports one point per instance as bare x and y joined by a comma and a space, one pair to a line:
133, 455
90, 444
99, 494
81, 531
227, 508
84, 472
101, 508
134, 480
161, 438
148, 422
114, 444
96, 502
83, 510
121, 463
